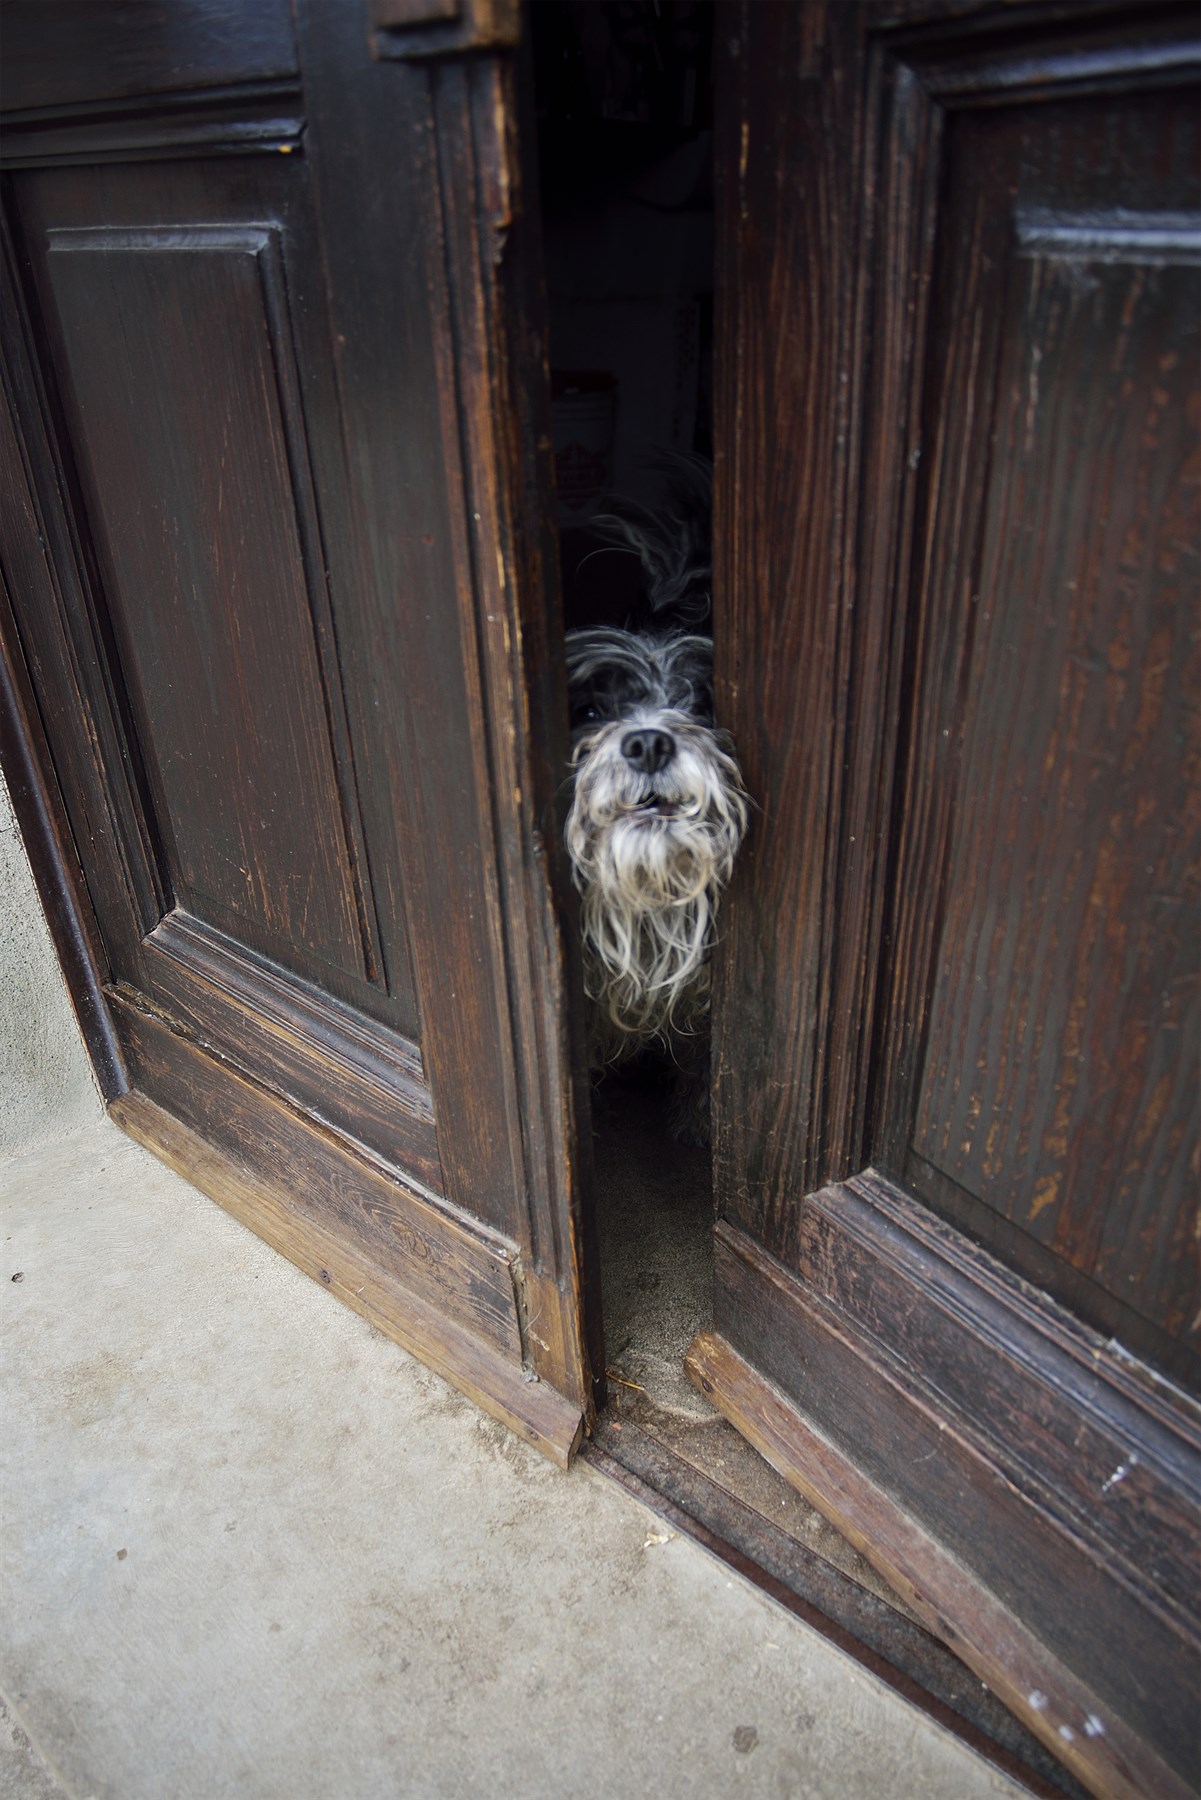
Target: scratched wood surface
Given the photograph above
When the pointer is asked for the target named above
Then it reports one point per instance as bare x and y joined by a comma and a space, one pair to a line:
1097, 1720
956, 606
286, 605
63, 53
1058, 1076
214, 626
962, 940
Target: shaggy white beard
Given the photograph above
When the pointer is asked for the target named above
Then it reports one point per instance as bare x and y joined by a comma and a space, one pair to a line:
650, 857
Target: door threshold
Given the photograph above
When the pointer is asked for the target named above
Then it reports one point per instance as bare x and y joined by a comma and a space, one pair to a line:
672, 1450
656, 1457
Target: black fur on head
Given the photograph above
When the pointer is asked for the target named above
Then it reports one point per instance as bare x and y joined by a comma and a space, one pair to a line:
672, 542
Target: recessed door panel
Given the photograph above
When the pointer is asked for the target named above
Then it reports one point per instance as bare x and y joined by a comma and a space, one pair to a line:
177, 349
1060, 1073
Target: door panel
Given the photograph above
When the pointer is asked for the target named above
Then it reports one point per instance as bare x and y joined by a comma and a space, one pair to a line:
956, 1026
253, 588
1056, 1083
200, 533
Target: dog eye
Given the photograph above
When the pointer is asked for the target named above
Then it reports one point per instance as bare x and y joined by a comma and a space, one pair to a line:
586, 715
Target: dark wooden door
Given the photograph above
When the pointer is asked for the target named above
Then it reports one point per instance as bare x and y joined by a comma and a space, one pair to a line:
957, 1019
284, 724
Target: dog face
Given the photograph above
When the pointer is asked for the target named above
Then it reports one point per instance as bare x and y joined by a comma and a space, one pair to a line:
657, 814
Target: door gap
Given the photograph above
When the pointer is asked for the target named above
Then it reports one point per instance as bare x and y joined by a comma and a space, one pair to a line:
624, 103
623, 95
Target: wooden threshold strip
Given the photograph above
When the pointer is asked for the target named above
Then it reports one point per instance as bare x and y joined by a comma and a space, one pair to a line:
882, 1639
935, 1584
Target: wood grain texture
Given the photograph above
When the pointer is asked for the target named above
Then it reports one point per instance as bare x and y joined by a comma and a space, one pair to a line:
412, 655
357, 1276
898, 522
1060, 1067
177, 374
474, 708
246, 119
367, 642
53, 208
1044, 1692
784, 359
26, 565
448, 1261
1063, 1478
443, 28
66, 53
42, 821
322, 1055
952, 255
58, 622
740, 1526
1068, 1405
503, 431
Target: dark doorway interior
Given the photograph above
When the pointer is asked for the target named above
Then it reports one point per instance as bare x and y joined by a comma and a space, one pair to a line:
624, 95
624, 99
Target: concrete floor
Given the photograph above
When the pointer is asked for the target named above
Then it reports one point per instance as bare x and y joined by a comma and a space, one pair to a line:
253, 1551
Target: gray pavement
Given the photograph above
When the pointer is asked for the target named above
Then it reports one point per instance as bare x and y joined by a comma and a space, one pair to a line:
253, 1551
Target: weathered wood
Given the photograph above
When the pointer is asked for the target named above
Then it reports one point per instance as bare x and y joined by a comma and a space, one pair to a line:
918, 432
267, 1204
215, 626
964, 1611
320, 1053
879, 1633
1069, 1405
955, 644
46, 835
781, 412
1023, 1445
218, 121
1040, 1050
503, 423
300, 672
429, 28
72, 53
451, 1262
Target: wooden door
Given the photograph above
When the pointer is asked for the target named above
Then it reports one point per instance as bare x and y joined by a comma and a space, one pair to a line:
284, 721
957, 1026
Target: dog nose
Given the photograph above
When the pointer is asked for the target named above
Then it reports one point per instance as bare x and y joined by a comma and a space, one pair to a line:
648, 751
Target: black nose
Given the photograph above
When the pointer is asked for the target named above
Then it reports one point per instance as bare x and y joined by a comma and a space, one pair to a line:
648, 751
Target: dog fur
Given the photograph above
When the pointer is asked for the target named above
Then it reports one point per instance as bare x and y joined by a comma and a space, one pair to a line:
658, 807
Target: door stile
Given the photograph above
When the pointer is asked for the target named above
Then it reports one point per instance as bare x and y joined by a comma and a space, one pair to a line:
500, 426
502, 1066
38, 805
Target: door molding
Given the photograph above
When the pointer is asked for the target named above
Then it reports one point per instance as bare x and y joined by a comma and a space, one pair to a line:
1000, 1463
454, 1299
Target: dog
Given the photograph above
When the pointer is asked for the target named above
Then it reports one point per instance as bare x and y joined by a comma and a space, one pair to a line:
658, 806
